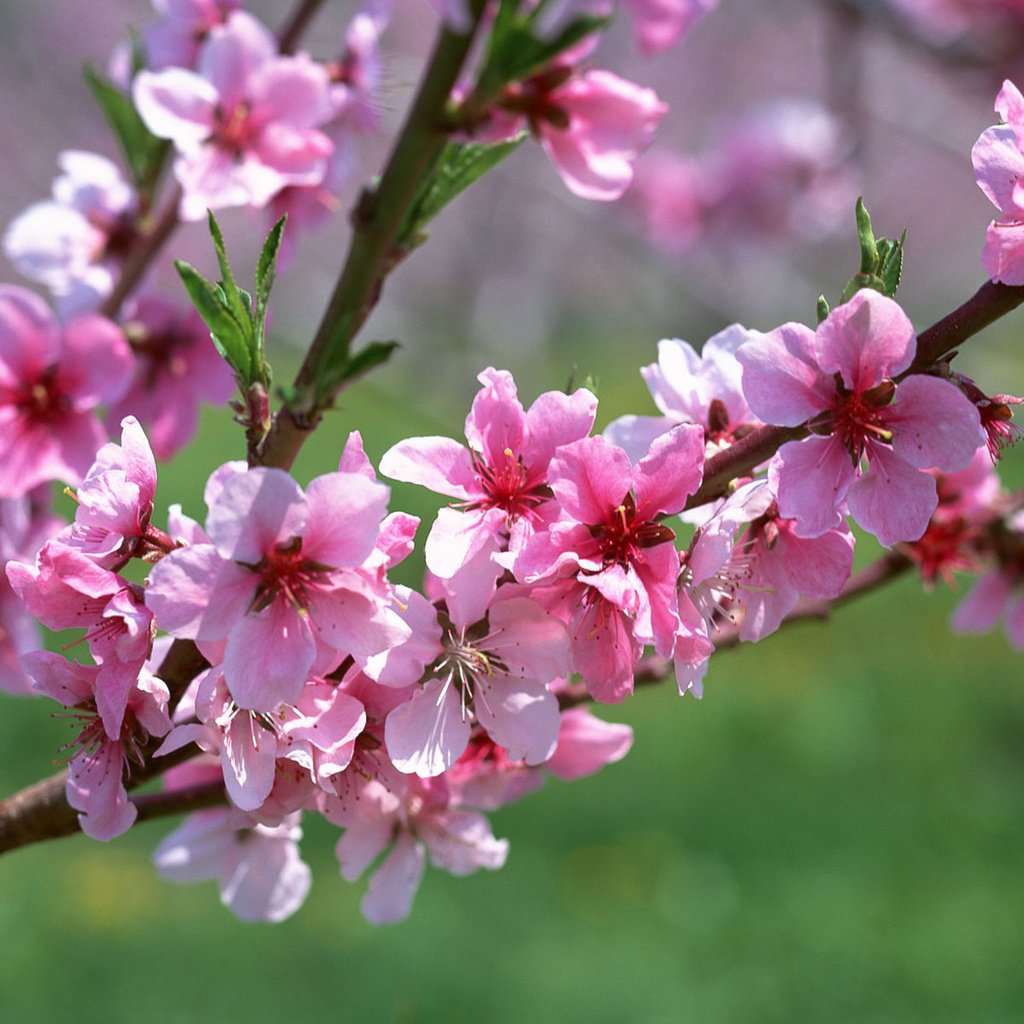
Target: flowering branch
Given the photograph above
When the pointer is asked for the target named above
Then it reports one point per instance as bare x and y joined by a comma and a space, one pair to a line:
990, 302
376, 220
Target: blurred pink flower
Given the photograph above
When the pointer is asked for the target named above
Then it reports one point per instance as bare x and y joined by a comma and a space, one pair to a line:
245, 124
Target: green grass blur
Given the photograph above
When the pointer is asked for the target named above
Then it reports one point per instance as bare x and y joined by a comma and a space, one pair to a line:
833, 834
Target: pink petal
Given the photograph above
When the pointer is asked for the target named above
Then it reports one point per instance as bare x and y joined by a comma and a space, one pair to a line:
438, 463
393, 885
781, 378
176, 104
892, 500
427, 735
934, 425
586, 744
811, 478
866, 340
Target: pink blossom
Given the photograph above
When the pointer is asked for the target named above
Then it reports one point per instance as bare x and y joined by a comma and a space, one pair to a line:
998, 158
115, 500
279, 581
969, 502
493, 669
840, 381
688, 387
176, 368
257, 867
176, 39
74, 244
659, 25
316, 734
592, 124
781, 170
51, 380
500, 481
25, 524
96, 773
245, 124
778, 567
409, 817
66, 589
608, 565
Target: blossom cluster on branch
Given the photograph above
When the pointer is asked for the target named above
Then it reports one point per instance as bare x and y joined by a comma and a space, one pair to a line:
566, 562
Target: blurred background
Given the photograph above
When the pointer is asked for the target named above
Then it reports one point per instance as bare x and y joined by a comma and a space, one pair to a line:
836, 832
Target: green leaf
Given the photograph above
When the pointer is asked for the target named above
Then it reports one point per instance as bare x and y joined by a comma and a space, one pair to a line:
232, 296
881, 260
517, 52
143, 151
823, 308
368, 358
891, 263
267, 264
230, 336
458, 167
866, 236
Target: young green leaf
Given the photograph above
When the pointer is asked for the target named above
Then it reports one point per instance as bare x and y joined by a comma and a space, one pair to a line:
458, 167
230, 336
143, 151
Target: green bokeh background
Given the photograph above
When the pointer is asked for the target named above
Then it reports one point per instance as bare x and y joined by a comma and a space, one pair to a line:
835, 833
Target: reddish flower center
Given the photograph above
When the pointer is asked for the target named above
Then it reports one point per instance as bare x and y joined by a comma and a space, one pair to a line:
285, 573
234, 130
621, 537
507, 485
857, 417
43, 400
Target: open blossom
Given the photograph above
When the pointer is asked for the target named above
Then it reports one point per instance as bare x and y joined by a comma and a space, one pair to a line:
317, 734
74, 243
998, 158
607, 565
257, 867
494, 670
279, 581
690, 387
96, 773
245, 124
66, 589
839, 380
408, 817
592, 124
499, 481
52, 378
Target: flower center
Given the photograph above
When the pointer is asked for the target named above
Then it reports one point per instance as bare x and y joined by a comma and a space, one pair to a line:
621, 537
857, 417
285, 573
507, 485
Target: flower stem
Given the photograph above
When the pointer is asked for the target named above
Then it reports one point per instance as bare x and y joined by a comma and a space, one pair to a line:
373, 251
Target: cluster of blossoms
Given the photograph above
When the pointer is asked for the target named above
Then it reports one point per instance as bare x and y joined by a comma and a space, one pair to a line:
563, 560
402, 717
780, 171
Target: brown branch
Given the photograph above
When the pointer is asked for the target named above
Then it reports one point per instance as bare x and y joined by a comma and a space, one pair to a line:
180, 801
373, 251
289, 34
135, 267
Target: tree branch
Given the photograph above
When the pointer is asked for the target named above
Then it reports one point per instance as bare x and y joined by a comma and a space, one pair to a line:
376, 220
